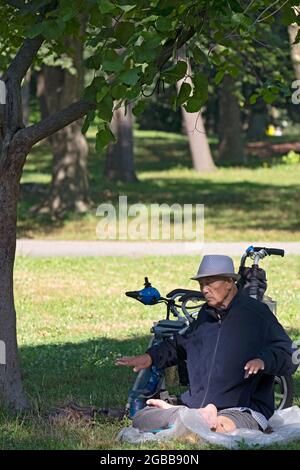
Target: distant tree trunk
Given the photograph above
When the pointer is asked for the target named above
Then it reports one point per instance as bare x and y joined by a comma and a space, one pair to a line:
231, 147
295, 58
199, 146
119, 164
194, 127
258, 120
41, 93
295, 49
69, 187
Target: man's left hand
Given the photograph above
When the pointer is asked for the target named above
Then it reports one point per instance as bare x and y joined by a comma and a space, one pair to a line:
253, 366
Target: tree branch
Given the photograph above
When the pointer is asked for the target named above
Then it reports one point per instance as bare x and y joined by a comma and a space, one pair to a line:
13, 110
33, 134
182, 38
23, 59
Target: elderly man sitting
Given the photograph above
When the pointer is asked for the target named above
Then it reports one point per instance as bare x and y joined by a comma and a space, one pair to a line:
233, 350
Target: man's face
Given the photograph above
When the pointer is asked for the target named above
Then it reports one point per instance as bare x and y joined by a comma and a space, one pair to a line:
215, 289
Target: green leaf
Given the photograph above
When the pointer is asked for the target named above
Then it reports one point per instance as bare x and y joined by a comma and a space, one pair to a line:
124, 31
94, 61
129, 77
54, 29
289, 16
164, 24
127, 8
241, 19
35, 30
105, 108
233, 71
144, 54
200, 82
151, 39
101, 93
139, 108
133, 92
112, 61
175, 73
198, 55
88, 119
118, 91
269, 97
184, 93
149, 74
253, 98
103, 138
105, 6
219, 77
193, 105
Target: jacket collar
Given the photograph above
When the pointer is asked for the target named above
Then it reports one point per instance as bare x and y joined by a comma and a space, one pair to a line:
222, 312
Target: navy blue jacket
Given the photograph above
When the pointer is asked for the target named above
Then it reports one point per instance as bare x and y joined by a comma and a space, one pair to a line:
216, 351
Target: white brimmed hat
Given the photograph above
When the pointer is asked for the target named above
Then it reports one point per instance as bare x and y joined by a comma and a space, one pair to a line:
216, 265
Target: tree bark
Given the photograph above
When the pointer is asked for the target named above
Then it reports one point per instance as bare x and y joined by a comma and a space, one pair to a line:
231, 146
119, 164
199, 146
11, 389
12, 159
295, 48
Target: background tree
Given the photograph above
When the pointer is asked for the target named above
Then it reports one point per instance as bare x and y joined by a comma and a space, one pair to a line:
119, 163
231, 144
58, 87
193, 124
293, 30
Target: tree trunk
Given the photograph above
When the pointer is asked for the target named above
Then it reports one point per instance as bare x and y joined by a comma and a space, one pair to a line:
199, 146
11, 390
295, 48
193, 125
119, 164
258, 120
231, 146
69, 187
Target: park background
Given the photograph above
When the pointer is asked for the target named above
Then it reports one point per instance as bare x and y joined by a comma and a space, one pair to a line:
239, 156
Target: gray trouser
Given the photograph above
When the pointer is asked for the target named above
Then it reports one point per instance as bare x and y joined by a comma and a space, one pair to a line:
153, 419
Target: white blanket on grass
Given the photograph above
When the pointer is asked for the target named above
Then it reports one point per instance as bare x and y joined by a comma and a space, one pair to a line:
285, 425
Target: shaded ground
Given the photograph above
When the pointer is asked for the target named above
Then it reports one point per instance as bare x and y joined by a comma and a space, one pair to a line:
240, 203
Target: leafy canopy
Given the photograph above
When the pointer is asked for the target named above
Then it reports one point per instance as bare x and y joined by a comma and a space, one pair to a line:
133, 46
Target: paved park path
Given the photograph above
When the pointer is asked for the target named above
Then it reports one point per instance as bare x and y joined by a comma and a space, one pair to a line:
119, 248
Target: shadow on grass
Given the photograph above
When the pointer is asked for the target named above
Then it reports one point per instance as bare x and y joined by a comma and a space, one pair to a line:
84, 372
239, 205
230, 205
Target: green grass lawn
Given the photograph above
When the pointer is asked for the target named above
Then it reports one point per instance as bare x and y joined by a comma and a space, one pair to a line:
73, 322
258, 203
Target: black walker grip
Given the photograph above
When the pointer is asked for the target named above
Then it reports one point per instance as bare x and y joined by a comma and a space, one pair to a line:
270, 251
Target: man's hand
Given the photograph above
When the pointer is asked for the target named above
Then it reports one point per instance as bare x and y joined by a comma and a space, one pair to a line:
253, 366
138, 362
